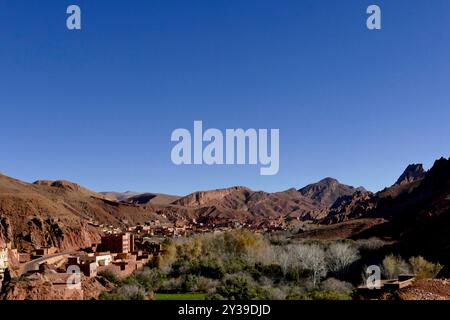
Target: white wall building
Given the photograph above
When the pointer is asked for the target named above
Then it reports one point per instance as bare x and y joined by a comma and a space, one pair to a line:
99, 260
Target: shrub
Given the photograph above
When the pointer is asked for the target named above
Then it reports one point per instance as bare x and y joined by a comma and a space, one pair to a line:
110, 276
111, 296
207, 285
285, 260
276, 294
329, 295
148, 279
210, 269
182, 266
131, 280
168, 257
340, 256
294, 275
424, 269
318, 295
189, 283
272, 271
371, 244
240, 242
334, 285
297, 296
171, 285
132, 292
312, 259
235, 264
392, 266
241, 288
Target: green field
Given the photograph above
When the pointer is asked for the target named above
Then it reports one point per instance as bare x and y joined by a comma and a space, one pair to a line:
180, 296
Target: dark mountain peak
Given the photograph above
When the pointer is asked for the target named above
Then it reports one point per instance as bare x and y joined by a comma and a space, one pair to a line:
441, 164
327, 191
439, 174
412, 173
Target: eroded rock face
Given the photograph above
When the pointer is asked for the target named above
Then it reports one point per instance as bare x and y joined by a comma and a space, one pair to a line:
350, 207
39, 232
59, 214
50, 233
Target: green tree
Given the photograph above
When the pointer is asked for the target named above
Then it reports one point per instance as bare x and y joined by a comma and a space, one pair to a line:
240, 288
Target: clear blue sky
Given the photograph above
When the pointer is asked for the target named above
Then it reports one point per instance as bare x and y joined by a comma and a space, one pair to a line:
98, 106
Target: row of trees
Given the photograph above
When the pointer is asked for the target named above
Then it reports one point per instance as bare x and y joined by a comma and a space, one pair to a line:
317, 260
393, 266
243, 265
242, 250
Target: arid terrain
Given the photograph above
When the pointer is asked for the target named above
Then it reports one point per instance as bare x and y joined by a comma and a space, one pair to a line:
52, 212
411, 218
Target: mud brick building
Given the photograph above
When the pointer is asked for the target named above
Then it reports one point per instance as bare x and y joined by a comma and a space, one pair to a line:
117, 243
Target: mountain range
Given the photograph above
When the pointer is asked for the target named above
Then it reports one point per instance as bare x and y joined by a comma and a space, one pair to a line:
414, 210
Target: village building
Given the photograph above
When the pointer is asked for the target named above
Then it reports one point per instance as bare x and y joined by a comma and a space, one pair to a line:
99, 259
117, 243
89, 269
44, 251
90, 263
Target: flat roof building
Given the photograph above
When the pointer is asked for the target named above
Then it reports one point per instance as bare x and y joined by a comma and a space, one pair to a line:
117, 243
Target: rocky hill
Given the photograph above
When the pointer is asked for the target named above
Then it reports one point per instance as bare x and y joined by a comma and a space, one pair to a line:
327, 191
418, 218
361, 203
59, 213
242, 204
233, 198
350, 207
64, 214
309, 203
